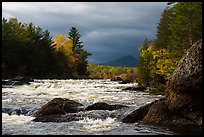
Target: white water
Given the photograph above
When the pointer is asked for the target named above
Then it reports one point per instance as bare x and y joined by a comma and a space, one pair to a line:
33, 96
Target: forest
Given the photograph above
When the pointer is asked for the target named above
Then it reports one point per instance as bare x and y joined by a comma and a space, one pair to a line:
28, 50
179, 27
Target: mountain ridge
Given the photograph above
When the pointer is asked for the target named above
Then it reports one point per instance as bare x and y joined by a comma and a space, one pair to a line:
124, 61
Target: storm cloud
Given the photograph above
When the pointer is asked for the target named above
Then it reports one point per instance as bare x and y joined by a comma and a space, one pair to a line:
109, 29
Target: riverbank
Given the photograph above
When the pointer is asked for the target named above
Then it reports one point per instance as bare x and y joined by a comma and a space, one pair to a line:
182, 107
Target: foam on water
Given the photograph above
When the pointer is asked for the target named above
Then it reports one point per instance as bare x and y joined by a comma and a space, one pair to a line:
87, 92
91, 125
15, 119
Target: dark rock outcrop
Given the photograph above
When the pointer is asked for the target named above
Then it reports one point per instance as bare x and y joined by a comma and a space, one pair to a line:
58, 118
19, 80
184, 88
23, 79
65, 110
7, 83
182, 107
58, 106
125, 81
137, 115
16, 111
58, 110
103, 106
116, 79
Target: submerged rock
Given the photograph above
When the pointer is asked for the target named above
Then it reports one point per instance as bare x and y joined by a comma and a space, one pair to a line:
7, 110
15, 111
182, 107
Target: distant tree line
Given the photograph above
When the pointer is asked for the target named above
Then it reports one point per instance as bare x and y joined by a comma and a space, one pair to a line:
111, 72
179, 27
28, 50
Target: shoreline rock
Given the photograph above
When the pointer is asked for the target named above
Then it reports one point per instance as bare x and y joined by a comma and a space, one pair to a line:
184, 88
18, 80
182, 107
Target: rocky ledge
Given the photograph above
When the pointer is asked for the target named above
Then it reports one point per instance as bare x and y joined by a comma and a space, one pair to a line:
182, 107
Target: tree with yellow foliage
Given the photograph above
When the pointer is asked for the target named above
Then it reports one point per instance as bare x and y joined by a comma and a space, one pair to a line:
155, 65
165, 63
64, 45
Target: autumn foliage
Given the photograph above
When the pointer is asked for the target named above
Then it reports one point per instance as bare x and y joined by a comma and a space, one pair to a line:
111, 72
30, 51
179, 26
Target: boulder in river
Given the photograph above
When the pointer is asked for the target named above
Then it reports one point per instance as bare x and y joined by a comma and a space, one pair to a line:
65, 110
18, 80
182, 107
103, 106
58, 106
23, 79
58, 118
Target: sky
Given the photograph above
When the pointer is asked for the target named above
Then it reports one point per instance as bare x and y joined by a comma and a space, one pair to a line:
109, 30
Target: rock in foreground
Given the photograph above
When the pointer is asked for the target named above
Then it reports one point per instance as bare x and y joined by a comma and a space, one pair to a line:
182, 107
184, 88
65, 110
58, 106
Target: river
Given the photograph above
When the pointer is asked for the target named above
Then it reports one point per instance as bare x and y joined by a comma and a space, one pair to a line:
29, 98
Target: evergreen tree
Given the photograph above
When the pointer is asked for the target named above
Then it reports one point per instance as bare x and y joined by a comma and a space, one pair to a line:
75, 37
79, 52
26, 50
163, 32
179, 27
185, 27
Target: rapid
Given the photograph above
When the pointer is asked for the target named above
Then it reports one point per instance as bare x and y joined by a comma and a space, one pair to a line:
29, 98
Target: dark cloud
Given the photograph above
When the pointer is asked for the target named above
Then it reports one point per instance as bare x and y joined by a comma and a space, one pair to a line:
109, 29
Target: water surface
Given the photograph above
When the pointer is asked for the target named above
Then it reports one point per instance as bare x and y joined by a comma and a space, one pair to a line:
28, 98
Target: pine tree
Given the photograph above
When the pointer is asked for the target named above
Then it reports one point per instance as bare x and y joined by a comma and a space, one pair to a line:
185, 27
75, 37
79, 52
163, 32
